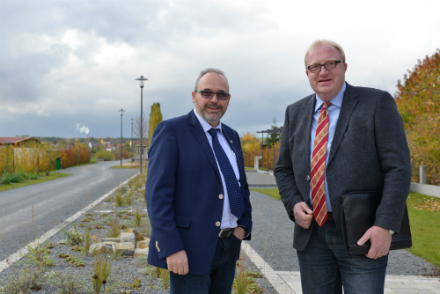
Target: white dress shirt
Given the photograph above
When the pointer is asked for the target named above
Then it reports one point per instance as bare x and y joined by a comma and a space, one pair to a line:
228, 219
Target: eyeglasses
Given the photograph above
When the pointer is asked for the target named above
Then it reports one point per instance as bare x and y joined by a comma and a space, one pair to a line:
209, 94
329, 65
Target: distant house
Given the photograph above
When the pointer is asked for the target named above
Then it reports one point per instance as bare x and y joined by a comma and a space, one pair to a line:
17, 141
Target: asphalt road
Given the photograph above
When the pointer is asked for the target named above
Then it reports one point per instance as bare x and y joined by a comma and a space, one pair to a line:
53, 202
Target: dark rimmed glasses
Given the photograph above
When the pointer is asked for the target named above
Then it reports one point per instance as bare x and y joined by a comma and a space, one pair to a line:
329, 65
209, 94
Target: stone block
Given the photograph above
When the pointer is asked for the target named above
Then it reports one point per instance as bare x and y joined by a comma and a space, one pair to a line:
96, 239
127, 237
141, 252
116, 240
123, 249
99, 248
143, 244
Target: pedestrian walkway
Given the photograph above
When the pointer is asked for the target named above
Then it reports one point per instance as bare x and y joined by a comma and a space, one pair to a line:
272, 239
260, 179
289, 282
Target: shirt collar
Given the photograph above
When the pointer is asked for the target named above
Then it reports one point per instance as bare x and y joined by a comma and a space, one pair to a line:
337, 101
205, 125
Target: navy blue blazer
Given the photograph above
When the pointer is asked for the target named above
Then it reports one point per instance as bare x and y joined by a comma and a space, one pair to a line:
182, 192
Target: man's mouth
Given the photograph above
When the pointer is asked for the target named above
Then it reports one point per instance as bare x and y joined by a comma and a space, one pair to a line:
326, 80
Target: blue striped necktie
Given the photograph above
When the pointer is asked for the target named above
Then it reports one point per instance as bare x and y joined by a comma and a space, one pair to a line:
234, 194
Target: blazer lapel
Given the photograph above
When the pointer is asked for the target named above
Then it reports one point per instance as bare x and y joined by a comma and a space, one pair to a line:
306, 132
348, 104
201, 139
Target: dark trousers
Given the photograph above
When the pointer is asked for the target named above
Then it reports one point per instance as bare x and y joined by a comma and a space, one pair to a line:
325, 266
221, 274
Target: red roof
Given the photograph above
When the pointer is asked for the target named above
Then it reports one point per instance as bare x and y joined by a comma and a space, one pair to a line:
16, 140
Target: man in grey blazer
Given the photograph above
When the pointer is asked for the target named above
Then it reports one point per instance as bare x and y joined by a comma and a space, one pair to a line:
355, 136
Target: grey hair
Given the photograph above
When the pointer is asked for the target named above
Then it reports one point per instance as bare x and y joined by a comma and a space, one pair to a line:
208, 70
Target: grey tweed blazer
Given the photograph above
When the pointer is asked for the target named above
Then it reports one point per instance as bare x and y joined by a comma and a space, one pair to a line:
369, 153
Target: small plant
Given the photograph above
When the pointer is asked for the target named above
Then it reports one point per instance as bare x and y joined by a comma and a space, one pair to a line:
24, 281
40, 256
66, 283
255, 274
165, 278
63, 255
123, 189
114, 228
119, 199
82, 225
76, 248
101, 272
98, 227
87, 242
241, 281
33, 176
75, 261
73, 237
128, 200
137, 217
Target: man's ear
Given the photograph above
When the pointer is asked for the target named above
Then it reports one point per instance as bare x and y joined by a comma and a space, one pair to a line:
194, 96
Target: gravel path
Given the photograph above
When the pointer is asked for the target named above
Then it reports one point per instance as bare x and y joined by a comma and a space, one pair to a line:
31, 211
272, 236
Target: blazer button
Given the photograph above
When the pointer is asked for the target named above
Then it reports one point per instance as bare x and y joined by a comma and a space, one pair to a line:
308, 178
217, 224
220, 196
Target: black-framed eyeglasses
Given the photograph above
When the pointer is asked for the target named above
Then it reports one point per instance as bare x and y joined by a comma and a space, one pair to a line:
209, 94
329, 65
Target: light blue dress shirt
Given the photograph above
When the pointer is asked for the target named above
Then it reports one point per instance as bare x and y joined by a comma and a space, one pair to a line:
228, 219
333, 114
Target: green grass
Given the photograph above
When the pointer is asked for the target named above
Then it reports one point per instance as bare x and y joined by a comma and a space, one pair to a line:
251, 168
125, 166
424, 217
53, 176
269, 192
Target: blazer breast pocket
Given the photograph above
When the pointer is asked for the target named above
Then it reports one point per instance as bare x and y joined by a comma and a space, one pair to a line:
182, 221
356, 133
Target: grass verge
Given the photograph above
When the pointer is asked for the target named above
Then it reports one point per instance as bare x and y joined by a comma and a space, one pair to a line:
126, 166
53, 176
424, 216
269, 192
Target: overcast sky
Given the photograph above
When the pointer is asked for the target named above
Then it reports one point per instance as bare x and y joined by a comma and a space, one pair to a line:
69, 66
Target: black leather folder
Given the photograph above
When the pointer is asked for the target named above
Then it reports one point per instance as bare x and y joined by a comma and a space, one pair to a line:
358, 213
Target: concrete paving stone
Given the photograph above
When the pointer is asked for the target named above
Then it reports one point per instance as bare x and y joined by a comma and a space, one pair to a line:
389, 291
414, 291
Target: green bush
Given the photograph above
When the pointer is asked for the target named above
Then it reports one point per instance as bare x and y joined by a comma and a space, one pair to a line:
33, 176
104, 154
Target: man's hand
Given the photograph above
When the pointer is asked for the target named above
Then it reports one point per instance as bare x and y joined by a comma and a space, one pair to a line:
239, 232
380, 241
303, 215
178, 263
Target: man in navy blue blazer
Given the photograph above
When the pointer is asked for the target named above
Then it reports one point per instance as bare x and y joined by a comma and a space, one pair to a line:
197, 194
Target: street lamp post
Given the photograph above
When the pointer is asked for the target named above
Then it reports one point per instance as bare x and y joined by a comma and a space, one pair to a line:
122, 112
141, 83
131, 143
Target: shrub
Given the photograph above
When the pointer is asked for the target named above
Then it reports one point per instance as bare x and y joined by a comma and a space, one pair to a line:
105, 155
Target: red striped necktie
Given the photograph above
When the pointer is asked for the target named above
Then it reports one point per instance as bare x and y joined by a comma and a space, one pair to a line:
318, 167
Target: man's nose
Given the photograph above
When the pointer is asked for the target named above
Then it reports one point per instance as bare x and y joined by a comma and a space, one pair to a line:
323, 70
214, 98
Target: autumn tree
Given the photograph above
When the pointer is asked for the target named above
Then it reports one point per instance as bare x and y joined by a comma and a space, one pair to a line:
251, 147
155, 119
418, 100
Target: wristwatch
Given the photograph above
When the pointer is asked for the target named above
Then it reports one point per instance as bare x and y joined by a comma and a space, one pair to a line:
391, 232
